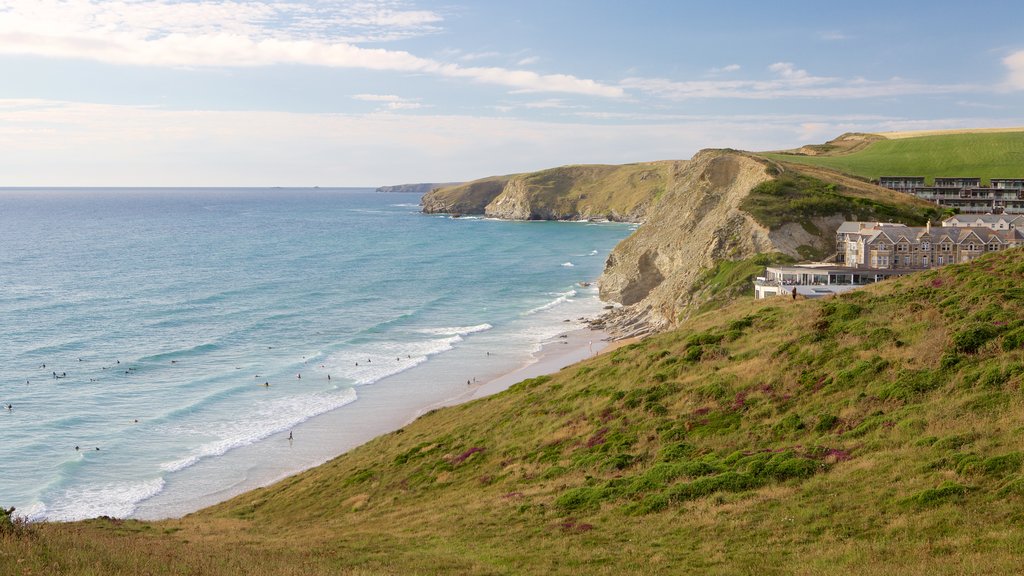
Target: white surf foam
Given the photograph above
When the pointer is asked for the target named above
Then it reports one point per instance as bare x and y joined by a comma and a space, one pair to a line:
456, 330
561, 299
270, 418
117, 499
368, 363
568, 264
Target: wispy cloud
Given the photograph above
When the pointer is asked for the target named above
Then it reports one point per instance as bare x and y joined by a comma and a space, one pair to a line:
789, 81
150, 145
226, 33
1015, 66
833, 35
390, 101
726, 69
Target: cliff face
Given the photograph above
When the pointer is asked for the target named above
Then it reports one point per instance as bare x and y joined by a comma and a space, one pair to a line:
709, 224
469, 198
421, 188
698, 223
619, 193
726, 215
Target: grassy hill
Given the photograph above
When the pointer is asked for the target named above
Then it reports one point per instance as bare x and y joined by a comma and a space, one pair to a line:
616, 192
986, 155
879, 432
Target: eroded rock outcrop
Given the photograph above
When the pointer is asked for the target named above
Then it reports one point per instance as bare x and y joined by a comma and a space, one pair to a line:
697, 223
619, 193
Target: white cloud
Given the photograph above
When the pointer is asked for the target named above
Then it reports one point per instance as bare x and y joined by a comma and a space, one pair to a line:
551, 103
225, 33
789, 82
470, 56
107, 145
150, 146
528, 61
833, 35
390, 101
726, 69
1015, 68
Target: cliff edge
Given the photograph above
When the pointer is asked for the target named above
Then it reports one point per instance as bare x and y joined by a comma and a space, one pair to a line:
726, 216
622, 193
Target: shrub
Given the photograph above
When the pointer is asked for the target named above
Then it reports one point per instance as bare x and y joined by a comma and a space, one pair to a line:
725, 482
826, 422
576, 499
970, 340
945, 492
997, 465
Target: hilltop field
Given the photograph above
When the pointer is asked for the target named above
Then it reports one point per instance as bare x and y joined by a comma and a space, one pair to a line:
985, 154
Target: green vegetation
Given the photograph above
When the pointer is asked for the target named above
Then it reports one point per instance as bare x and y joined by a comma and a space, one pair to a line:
618, 192
994, 155
793, 196
731, 279
597, 189
875, 432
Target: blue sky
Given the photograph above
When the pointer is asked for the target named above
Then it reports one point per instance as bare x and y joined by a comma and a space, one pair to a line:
372, 92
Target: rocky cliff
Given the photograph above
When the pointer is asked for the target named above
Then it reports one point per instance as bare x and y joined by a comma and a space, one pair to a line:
709, 224
421, 188
619, 193
724, 217
698, 223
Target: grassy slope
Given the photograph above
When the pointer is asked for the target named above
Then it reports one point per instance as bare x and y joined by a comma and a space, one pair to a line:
987, 155
601, 188
470, 197
876, 432
594, 188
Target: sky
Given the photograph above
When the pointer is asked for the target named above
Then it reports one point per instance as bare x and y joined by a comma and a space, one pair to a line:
377, 92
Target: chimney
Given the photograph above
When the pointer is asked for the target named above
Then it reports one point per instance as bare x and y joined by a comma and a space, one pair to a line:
928, 227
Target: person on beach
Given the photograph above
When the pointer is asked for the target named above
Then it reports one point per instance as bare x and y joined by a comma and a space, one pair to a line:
328, 377
10, 407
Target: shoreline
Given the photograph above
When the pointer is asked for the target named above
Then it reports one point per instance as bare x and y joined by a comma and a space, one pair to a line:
381, 408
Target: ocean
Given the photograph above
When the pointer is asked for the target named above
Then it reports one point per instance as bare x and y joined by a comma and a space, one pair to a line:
159, 346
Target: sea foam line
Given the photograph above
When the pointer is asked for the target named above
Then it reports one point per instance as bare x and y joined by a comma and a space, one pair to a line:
117, 499
272, 418
562, 298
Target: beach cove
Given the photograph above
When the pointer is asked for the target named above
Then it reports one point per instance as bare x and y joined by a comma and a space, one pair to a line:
198, 329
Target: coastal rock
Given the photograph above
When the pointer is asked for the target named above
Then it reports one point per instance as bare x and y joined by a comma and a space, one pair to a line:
698, 223
469, 198
421, 188
623, 193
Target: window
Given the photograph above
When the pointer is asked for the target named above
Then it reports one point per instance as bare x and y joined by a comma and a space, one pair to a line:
940, 261
945, 247
906, 260
993, 247
926, 245
901, 247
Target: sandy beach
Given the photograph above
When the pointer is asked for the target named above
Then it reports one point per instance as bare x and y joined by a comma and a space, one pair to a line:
381, 408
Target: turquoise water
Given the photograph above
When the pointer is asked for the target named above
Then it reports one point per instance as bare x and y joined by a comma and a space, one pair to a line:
183, 325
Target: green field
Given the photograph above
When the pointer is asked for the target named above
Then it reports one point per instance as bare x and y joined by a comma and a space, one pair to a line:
878, 432
998, 155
